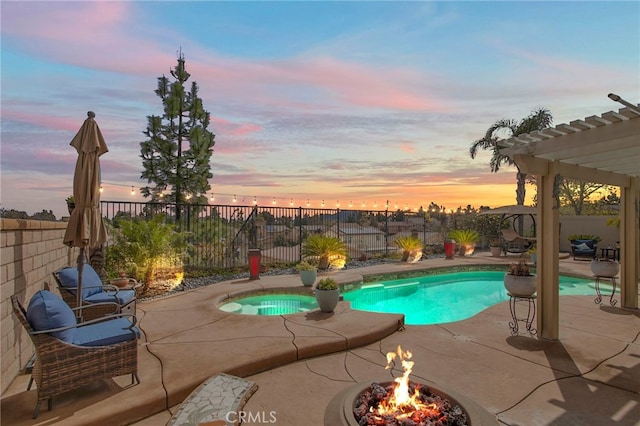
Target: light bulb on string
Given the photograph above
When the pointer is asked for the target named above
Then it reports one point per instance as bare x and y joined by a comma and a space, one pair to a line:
255, 201
101, 188
308, 203
322, 203
274, 201
337, 203
291, 202
133, 191
234, 198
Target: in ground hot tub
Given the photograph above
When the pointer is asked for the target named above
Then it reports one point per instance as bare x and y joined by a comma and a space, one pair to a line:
270, 304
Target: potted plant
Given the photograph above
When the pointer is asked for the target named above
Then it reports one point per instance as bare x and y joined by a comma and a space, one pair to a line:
495, 245
466, 239
411, 248
605, 267
519, 281
308, 273
71, 203
327, 294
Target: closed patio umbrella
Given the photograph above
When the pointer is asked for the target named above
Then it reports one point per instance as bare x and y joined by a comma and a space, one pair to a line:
85, 227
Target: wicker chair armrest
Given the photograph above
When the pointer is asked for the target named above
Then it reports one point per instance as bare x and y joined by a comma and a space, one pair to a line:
116, 305
83, 287
93, 321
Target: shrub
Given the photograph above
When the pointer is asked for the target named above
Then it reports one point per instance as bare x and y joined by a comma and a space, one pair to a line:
519, 269
465, 236
140, 246
305, 266
584, 237
327, 284
328, 250
408, 243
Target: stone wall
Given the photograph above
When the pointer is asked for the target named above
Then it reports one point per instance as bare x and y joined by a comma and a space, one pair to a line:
30, 250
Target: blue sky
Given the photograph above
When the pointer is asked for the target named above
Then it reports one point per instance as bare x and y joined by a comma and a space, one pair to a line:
357, 102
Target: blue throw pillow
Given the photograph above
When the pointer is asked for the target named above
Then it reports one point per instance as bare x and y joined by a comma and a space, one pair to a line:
91, 282
47, 311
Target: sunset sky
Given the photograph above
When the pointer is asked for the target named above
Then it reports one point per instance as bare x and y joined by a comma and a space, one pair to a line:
359, 102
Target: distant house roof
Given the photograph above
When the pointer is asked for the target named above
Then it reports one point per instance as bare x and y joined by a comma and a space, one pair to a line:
357, 229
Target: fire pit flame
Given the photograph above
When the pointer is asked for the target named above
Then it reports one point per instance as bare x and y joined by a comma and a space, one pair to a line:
404, 402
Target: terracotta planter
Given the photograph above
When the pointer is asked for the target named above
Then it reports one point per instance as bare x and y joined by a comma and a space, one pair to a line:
327, 299
308, 278
603, 268
520, 285
119, 282
496, 251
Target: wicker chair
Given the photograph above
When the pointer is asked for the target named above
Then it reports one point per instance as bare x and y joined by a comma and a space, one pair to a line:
95, 294
69, 354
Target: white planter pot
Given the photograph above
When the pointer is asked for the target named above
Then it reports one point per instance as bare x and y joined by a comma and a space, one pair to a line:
308, 278
520, 285
605, 268
327, 299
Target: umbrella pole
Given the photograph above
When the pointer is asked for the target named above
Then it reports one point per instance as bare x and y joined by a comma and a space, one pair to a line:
79, 289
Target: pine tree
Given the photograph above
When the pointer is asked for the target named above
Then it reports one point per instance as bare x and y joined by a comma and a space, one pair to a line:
176, 155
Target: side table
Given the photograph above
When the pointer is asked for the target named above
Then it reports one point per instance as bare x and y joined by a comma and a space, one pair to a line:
514, 301
598, 298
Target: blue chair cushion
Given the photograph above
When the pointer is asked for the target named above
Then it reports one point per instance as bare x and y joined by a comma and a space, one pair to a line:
584, 246
105, 333
91, 282
122, 297
47, 311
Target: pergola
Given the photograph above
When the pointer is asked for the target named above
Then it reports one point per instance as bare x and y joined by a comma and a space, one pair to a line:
603, 149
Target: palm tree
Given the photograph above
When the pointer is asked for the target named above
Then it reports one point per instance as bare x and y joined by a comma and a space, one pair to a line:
537, 120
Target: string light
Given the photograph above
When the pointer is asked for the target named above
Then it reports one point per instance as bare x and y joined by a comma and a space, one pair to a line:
275, 200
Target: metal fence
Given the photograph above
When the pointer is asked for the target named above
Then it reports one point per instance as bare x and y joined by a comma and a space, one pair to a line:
220, 236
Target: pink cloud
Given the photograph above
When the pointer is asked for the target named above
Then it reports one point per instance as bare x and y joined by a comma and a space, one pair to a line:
43, 120
226, 127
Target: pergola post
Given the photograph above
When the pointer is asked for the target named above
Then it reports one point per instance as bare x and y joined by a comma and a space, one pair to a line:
548, 247
629, 243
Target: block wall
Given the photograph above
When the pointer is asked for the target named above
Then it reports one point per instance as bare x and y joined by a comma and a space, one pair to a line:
30, 250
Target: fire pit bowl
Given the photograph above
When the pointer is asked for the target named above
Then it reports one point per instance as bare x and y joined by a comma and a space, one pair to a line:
340, 411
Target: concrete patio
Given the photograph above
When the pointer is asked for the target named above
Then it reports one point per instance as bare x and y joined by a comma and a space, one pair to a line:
591, 376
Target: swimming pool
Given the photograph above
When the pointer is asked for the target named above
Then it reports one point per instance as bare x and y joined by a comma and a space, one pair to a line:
446, 297
271, 304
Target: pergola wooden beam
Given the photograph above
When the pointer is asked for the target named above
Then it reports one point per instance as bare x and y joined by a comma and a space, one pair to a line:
604, 149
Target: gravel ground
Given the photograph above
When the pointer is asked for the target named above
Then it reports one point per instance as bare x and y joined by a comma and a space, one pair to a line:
163, 288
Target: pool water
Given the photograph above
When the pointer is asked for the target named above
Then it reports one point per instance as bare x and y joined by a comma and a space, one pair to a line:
271, 304
449, 297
